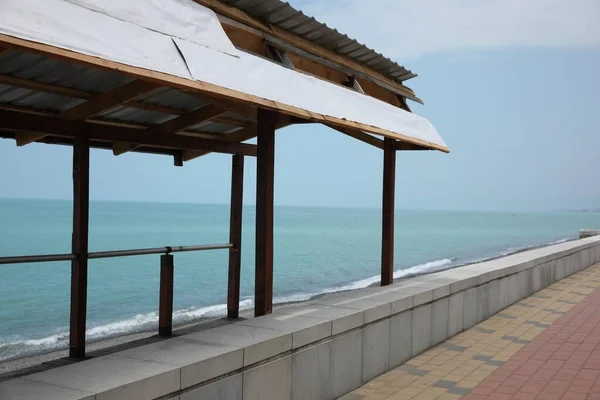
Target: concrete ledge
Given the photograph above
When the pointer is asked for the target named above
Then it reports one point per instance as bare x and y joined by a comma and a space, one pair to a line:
317, 350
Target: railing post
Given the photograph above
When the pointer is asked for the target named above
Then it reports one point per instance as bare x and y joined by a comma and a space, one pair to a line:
387, 237
235, 236
79, 243
165, 309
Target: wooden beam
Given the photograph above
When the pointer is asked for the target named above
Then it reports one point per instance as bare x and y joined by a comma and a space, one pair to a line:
108, 100
387, 240
363, 137
79, 266
409, 147
235, 236
44, 87
176, 125
235, 137
14, 121
231, 121
263, 296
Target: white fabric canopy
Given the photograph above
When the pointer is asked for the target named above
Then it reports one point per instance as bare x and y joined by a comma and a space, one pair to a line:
154, 34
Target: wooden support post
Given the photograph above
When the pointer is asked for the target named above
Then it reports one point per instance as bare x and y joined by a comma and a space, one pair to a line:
235, 236
79, 266
263, 296
387, 241
165, 308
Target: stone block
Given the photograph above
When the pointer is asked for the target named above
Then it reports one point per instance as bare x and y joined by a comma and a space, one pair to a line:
114, 377
470, 307
376, 350
199, 362
483, 298
455, 314
468, 280
270, 381
342, 319
400, 338
258, 343
421, 329
346, 363
229, 388
311, 373
505, 292
373, 308
20, 389
439, 321
304, 329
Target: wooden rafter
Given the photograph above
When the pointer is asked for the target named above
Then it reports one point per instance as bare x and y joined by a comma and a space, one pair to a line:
44, 87
363, 137
124, 95
55, 126
109, 100
409, 146
95, 105
175, 125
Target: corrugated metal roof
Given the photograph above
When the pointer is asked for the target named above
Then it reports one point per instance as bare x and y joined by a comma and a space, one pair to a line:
284, 16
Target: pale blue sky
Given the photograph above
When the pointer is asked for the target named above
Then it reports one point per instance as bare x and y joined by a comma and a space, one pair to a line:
514, 95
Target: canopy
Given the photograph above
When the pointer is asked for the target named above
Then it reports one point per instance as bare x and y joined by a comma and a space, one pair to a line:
185, 39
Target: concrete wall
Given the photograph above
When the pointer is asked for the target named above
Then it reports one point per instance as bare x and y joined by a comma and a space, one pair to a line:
319, 350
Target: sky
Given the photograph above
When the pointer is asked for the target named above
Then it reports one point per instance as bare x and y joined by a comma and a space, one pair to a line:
512, 86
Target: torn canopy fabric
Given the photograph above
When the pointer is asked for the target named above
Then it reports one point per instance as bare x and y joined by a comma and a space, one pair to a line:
185, 39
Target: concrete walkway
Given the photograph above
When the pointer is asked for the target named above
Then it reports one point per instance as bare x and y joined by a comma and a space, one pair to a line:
545, 347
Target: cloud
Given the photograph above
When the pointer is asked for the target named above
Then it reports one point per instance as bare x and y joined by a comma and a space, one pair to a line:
404, 29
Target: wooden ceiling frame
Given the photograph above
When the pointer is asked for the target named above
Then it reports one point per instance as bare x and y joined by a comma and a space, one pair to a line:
54, 126
175, 125
95, 105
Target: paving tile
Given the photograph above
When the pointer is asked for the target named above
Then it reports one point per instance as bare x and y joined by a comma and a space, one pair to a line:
545, 347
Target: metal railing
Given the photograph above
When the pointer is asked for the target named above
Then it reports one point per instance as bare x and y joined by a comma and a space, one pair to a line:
165, 312
113, 253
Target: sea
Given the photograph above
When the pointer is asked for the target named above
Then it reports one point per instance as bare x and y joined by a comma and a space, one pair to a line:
316, 251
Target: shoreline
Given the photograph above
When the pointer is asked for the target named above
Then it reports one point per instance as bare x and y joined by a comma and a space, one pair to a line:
15, 366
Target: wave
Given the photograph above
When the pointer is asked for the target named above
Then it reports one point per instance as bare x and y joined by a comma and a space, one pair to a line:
17, 347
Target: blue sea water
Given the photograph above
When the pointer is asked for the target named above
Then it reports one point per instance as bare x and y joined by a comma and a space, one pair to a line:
317, 250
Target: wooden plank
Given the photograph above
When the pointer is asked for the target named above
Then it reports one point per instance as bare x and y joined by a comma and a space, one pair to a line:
108, 100
79, 266
178, 124
363, 137
235, 137
204, 89
298, 42
43, 87
389, 183
265, 166
15, 121
235, 236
